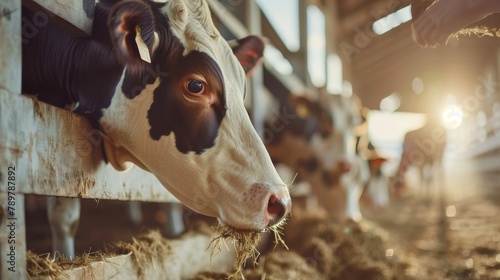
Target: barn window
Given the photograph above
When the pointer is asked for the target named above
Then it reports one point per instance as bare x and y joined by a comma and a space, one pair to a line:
390, 103
284, 17
316, 46
392, 21
387, 130
334, 83
279, 62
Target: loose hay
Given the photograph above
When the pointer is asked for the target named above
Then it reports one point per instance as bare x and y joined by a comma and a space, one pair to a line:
322, 249
345, 250
45, 265
145, 248
152, 247
479, 31
245, 243
283, 265
319, 249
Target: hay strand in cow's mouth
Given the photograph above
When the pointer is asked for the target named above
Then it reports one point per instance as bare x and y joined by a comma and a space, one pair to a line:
291, 185
245, 242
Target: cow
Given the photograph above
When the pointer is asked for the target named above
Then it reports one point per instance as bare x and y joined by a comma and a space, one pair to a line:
423, 149
289, 143
376, 192
339, 149
314, 138
329, 154
166, 92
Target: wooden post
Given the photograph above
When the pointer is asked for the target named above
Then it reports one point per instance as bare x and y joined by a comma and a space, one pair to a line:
12, 231
299, 58
257, 80
12, 236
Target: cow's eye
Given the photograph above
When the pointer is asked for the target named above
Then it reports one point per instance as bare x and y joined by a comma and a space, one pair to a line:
195, 86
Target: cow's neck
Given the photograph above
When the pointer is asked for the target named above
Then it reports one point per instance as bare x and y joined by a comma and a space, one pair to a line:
63, 70
92, 78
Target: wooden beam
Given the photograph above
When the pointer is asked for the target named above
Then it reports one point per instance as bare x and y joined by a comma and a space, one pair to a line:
227, 19
366, 15
58, 153
75, 17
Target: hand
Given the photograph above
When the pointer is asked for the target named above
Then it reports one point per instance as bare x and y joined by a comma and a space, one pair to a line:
446, 17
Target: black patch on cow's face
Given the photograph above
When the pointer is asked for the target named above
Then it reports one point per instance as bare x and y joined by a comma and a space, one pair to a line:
134, 82
193, 117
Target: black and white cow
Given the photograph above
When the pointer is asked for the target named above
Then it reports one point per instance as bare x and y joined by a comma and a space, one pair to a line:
180, 116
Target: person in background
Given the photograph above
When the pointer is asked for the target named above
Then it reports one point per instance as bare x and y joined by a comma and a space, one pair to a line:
434, 21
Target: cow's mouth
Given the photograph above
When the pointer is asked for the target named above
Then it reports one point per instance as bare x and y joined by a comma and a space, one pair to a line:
246, 241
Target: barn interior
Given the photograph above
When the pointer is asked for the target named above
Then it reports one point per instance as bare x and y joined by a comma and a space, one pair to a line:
440, 226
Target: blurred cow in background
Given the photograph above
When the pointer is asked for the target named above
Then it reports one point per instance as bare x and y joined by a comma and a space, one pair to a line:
315, 138
349, 146
289, 143
422, 149
376, 192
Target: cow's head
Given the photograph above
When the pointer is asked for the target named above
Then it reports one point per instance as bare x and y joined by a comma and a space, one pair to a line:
182, 116
302, 121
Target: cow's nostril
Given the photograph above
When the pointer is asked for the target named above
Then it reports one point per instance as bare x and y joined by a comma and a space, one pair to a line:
277, 209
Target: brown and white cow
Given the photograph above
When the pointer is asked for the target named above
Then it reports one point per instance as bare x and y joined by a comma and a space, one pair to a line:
289, 143
340, 148
180, 116
314, 139
423, 149
376, 192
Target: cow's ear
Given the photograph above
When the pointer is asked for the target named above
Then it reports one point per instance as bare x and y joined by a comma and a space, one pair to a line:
132, 28
249, 52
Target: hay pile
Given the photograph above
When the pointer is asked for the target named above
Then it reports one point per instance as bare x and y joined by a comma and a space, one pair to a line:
147, 247
45, 265
320, 249
275, 265
151, 248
